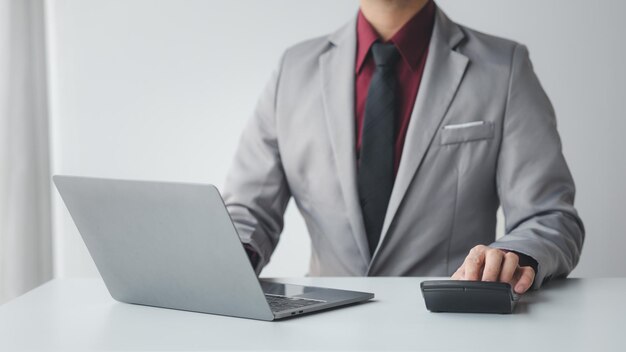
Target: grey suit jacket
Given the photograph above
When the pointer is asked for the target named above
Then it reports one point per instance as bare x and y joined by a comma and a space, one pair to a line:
482, 134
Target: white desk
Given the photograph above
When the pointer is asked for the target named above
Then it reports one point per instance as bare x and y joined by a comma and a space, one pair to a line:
79, 314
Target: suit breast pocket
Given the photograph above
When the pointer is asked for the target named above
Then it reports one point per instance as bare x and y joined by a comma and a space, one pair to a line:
466, 132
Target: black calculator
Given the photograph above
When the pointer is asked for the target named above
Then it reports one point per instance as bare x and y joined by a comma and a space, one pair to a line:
460, 296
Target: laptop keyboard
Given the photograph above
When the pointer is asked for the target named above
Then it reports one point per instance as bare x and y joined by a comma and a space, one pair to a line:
281, 303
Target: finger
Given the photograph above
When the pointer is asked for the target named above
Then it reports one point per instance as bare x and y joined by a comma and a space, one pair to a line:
509, 266
525, 281
493, 262
474, 263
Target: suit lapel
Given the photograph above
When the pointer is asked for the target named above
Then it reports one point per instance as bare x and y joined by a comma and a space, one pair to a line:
443, 73
337, 70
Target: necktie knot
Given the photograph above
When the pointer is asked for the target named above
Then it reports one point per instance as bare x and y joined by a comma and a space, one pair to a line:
385, 55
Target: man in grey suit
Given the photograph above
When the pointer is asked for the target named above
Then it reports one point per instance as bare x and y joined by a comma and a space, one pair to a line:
399, 136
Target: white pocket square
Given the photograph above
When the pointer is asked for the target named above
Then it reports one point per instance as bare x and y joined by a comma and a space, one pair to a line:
463, 125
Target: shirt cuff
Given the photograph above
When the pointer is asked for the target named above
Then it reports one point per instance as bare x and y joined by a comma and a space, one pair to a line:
525, 260
253, 256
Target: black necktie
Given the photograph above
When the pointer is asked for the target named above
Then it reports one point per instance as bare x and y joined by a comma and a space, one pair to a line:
375, 175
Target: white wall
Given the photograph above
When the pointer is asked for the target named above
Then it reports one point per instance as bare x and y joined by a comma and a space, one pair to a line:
160, 89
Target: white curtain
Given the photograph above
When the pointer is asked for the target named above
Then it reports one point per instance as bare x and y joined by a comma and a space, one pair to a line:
25, 230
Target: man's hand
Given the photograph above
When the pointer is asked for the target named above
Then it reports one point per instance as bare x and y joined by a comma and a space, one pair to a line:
492, 264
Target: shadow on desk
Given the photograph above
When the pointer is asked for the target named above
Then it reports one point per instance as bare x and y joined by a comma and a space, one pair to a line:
545, 294
130, 326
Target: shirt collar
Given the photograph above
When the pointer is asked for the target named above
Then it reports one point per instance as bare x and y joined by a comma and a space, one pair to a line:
411, 40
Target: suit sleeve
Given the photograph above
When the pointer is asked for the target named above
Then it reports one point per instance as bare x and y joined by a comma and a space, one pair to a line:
535, 185
256, 193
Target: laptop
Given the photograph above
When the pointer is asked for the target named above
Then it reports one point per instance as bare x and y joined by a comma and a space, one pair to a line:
174, 245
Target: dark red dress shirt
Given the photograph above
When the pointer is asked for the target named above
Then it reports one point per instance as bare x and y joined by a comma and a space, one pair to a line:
412, 41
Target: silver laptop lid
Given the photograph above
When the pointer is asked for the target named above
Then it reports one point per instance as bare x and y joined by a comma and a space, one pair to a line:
164, 244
